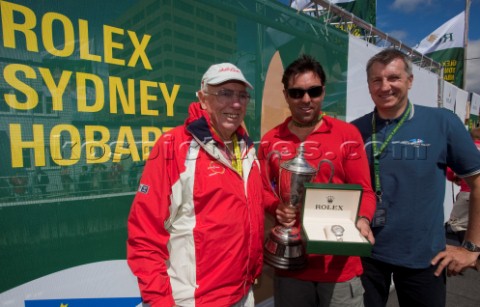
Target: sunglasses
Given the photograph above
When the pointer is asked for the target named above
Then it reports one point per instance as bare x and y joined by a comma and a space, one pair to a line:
313, 92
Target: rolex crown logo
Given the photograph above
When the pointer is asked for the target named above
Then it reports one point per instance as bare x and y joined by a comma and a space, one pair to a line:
330, 199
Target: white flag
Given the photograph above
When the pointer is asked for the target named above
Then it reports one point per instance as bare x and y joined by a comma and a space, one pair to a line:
301, 4
475, 106
449, 35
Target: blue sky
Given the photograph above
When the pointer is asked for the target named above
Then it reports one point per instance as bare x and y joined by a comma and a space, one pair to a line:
410, 21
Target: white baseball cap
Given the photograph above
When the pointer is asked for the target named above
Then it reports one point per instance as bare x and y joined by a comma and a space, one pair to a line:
219, 73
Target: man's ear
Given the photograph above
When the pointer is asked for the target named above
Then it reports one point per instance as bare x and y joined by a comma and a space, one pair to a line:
201, 98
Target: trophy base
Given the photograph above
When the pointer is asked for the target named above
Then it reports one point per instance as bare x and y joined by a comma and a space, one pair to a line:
284, 249
285, 263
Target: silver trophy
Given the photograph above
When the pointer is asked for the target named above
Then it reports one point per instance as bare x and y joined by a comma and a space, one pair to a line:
284, 247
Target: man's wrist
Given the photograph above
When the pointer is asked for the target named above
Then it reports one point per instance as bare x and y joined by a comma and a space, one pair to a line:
364, 217
470, 246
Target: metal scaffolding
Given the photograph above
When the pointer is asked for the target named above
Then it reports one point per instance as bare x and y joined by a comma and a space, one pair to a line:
335, 15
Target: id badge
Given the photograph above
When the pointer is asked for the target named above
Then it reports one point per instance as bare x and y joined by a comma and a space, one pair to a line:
380, 217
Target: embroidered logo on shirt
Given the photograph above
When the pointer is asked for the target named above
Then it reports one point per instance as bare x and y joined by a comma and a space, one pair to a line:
215, 169
143, 188
414, 142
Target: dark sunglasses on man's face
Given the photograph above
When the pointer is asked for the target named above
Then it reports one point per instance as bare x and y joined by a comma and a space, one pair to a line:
313, 92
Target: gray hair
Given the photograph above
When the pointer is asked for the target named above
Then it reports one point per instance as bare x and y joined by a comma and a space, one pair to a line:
388, 55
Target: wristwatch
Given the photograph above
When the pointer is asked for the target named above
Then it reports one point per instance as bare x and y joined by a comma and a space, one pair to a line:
338, 232
470, 246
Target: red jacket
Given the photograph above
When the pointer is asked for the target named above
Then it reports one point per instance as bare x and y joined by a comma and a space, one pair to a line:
342, 144
195, 230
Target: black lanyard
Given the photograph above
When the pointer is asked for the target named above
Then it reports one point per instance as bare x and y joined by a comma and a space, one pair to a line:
378, 152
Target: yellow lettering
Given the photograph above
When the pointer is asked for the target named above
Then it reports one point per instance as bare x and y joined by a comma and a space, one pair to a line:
139, 51
449, 77
11, 78
56, 146
169, 99
131, 150
116, 87
83, 94
149, 136
17, 145
57, 91
145, 98
47, 35
84, 42
97, 151
449, 70
9, 27
109, 44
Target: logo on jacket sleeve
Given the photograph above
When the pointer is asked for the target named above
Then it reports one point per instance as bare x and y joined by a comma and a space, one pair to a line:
143, 188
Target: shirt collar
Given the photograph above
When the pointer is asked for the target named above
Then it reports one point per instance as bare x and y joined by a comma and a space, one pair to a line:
382, 121
325, 127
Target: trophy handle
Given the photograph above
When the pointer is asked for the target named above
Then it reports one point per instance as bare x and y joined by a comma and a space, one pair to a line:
267, 169
332, 168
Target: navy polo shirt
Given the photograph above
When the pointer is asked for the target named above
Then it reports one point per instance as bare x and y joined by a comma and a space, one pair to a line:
412, 176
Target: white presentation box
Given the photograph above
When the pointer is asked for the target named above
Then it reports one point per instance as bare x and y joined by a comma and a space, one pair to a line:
326, 205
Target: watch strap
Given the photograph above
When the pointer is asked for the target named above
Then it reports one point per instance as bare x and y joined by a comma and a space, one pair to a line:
470, 246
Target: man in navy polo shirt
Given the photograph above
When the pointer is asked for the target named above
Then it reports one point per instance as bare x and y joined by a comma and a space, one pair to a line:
409, 149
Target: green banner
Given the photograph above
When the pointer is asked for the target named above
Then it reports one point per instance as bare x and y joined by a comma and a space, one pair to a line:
86, 88
363, 9
452, 61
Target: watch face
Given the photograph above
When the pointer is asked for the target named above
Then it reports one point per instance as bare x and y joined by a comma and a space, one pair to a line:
466, 245
337, 230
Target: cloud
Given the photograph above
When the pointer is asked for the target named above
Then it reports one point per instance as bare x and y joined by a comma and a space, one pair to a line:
472, 82
409, 5
398, 34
